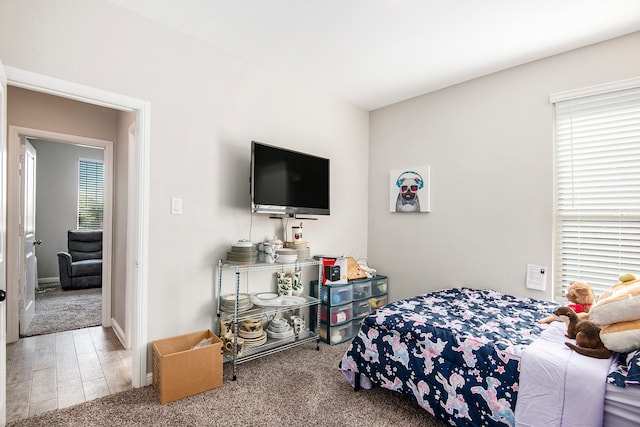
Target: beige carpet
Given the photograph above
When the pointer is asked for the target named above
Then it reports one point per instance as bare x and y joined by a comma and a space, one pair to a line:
57, 310
296, 387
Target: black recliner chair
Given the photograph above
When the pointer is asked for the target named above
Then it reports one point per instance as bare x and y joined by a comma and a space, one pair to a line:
81, 267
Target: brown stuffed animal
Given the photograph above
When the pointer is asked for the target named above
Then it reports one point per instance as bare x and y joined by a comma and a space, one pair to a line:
581, 297
586, 334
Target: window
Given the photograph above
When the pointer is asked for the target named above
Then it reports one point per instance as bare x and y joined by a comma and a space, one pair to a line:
597, 188
90, 194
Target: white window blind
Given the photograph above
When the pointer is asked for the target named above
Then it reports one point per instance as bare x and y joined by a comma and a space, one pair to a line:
90, 194
597, 178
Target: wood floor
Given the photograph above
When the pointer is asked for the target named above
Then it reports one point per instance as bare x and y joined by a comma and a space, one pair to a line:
48, 372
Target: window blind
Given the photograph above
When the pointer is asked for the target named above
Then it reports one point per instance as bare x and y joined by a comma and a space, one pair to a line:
90, 195
597, 180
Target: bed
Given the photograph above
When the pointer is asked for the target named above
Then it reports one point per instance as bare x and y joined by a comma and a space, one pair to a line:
457, 353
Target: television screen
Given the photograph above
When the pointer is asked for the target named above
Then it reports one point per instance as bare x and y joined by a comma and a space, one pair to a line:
288, 182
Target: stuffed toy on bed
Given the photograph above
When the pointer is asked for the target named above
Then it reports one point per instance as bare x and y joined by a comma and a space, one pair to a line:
581, 299
617, 312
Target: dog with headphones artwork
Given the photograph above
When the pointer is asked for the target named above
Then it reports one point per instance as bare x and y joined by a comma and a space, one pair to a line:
408, 183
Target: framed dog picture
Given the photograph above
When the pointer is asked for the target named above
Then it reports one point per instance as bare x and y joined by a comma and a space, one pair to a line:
410, 190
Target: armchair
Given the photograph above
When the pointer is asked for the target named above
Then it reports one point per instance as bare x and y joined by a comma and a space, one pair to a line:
81, 266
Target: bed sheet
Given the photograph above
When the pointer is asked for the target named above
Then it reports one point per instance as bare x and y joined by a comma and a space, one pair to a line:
456, 352
559, 387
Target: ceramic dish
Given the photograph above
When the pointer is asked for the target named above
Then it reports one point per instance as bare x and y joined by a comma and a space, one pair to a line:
266, 299
280, 335
255, 342
286, 251
279, 331
291, 300
250, 334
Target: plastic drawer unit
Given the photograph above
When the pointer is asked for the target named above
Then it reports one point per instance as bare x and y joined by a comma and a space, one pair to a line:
378, 302
361, 289
379, 285
333, 294
335, 315
335, 334
361, 308
355, 326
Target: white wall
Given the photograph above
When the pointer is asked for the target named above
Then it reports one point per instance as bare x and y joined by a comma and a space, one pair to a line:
489, 143
206, 107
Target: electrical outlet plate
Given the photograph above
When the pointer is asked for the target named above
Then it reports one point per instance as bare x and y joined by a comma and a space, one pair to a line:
176, 206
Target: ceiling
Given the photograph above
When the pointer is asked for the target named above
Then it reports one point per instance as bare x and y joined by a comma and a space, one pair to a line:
373, 53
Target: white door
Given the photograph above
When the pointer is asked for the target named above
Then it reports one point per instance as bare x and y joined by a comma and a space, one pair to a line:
29, 273
3, 226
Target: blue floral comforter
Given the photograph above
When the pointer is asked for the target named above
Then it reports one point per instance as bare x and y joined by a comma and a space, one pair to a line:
456, 352
626, 370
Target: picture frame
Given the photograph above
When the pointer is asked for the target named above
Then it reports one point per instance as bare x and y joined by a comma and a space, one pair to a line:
410, 190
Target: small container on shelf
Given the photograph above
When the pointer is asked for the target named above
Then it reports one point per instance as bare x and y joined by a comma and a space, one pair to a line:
361, 289
333, 294
335, 315
378, 302
379, 285
335, 334
361, 308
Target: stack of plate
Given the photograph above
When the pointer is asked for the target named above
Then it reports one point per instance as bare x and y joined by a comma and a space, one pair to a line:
252, 333
279, 329
286, 255
229, 300
242, 252
303, 250
266, 299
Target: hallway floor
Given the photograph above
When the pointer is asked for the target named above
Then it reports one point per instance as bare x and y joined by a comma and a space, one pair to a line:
48, 372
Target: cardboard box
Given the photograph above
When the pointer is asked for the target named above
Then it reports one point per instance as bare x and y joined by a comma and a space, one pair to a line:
179, 370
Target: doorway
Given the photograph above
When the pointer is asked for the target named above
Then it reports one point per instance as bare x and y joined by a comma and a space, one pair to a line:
137, 213
17, 136
69, 194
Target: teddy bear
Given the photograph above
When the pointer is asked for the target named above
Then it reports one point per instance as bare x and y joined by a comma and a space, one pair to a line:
581, 298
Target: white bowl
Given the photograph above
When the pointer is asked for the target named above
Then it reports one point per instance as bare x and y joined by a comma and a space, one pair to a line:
286, 251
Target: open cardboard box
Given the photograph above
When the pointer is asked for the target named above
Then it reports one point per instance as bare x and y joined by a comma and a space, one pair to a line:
179, 370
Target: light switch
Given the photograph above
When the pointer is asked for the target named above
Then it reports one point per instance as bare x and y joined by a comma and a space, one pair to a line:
176, 206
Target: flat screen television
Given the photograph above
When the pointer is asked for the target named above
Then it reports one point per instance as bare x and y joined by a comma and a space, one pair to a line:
286, 182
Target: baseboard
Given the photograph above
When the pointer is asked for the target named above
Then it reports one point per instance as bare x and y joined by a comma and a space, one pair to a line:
47, 280
122, 337
149, 378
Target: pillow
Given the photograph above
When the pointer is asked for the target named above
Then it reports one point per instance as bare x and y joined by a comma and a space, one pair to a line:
622, 337
619, 304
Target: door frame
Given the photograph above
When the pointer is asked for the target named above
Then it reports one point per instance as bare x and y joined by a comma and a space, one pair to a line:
137, 213
16, 255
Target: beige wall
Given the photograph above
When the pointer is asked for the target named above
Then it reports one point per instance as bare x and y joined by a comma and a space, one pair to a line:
41, 111
489, 142
206, 107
